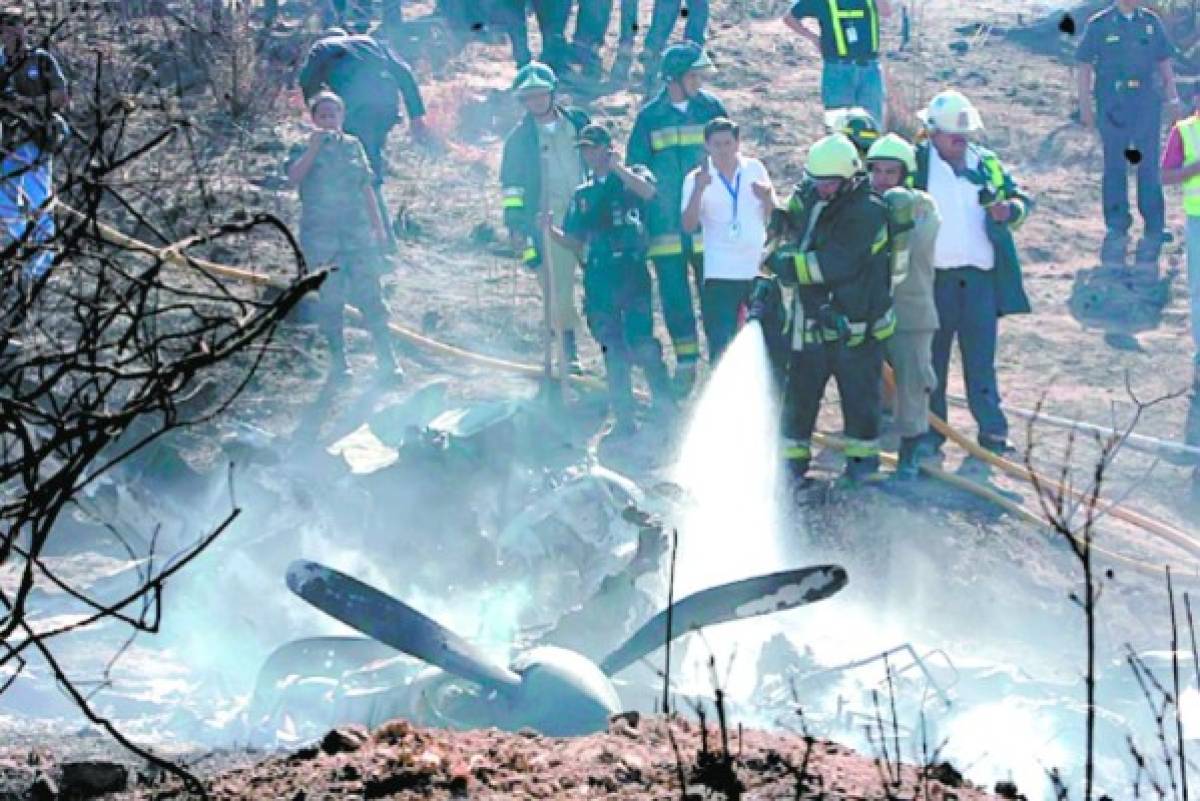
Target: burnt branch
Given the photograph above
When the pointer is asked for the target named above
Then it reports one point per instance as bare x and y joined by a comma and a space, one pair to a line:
108, 344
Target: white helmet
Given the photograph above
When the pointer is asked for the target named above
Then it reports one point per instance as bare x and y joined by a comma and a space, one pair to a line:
950, 112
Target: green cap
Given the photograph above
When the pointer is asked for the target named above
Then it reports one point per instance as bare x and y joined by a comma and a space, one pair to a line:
679, 59
593, 135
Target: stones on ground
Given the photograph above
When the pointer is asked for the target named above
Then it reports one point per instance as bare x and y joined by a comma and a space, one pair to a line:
344, 740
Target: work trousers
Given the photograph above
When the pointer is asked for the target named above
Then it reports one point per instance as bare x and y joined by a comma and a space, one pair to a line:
552, 21
857, 370
592, 24
845, 84
675, 292
721, 304
662, 23
355, 281
1131, 122
26, 187
621, 319
911, 357
1193, 268
967, 310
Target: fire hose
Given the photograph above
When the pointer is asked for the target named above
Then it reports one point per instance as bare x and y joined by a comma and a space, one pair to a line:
1023, 473
174, 254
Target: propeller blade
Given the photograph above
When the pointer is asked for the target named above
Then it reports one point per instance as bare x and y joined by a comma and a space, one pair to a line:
743, 599
394, 623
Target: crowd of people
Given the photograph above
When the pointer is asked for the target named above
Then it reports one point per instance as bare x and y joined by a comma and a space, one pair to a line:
888, 252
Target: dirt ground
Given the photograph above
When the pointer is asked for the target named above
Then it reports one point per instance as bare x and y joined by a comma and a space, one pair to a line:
977, 582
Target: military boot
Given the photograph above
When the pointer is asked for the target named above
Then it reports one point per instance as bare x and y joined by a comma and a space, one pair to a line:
685, 380
908, 466
860, 470
1112, 251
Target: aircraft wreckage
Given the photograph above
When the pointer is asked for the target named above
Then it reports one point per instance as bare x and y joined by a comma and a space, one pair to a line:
554, 690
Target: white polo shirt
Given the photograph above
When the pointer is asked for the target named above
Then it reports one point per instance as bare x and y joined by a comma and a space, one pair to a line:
962, 240
732, 253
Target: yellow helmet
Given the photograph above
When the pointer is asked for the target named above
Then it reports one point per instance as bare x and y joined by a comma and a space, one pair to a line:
950, 112
833, 156
894, 147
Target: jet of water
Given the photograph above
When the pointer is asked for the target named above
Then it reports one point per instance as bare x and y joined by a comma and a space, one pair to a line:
729, 466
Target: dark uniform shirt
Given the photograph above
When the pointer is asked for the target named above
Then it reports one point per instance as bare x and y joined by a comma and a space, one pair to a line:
33, 74
1125, 52
333, 215
852, 35
362, 72
610, 220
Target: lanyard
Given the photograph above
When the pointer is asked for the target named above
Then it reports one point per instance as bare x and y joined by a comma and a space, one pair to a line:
734, 190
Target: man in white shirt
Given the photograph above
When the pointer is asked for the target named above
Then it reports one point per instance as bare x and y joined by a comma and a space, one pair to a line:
978, 273
730, 198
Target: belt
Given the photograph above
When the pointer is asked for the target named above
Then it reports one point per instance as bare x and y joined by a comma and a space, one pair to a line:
858, 62
1131, 85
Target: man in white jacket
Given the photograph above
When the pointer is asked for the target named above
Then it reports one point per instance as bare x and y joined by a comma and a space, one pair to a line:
730, 199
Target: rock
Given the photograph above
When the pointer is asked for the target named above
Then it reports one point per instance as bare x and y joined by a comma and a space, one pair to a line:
43, 789
1008, 790
625, 723
93, 778
344, 740
947, 774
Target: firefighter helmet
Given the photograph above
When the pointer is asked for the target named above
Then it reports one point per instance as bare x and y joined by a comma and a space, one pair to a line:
834, 156
857, 124
894, 147
950, 112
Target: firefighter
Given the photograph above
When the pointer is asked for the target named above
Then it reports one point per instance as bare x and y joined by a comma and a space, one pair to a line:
849, 45
539, 171
891, 163
1124, 58
838, 259
668, 139
606, 221
978, 277
857, 124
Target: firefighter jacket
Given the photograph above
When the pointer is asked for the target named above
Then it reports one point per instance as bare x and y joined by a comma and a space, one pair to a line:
995, 185
521, 176
670, 143
840, 266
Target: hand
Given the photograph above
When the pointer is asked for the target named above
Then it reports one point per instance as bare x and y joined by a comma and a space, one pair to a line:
763, 191
545, 220
1000, 212
703, 177
317, 139
1087, 116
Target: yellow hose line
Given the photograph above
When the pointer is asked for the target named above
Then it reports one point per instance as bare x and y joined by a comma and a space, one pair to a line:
1016, 509
173, 254
1164, 530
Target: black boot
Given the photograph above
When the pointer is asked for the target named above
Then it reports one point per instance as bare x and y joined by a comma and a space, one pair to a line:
908, 467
